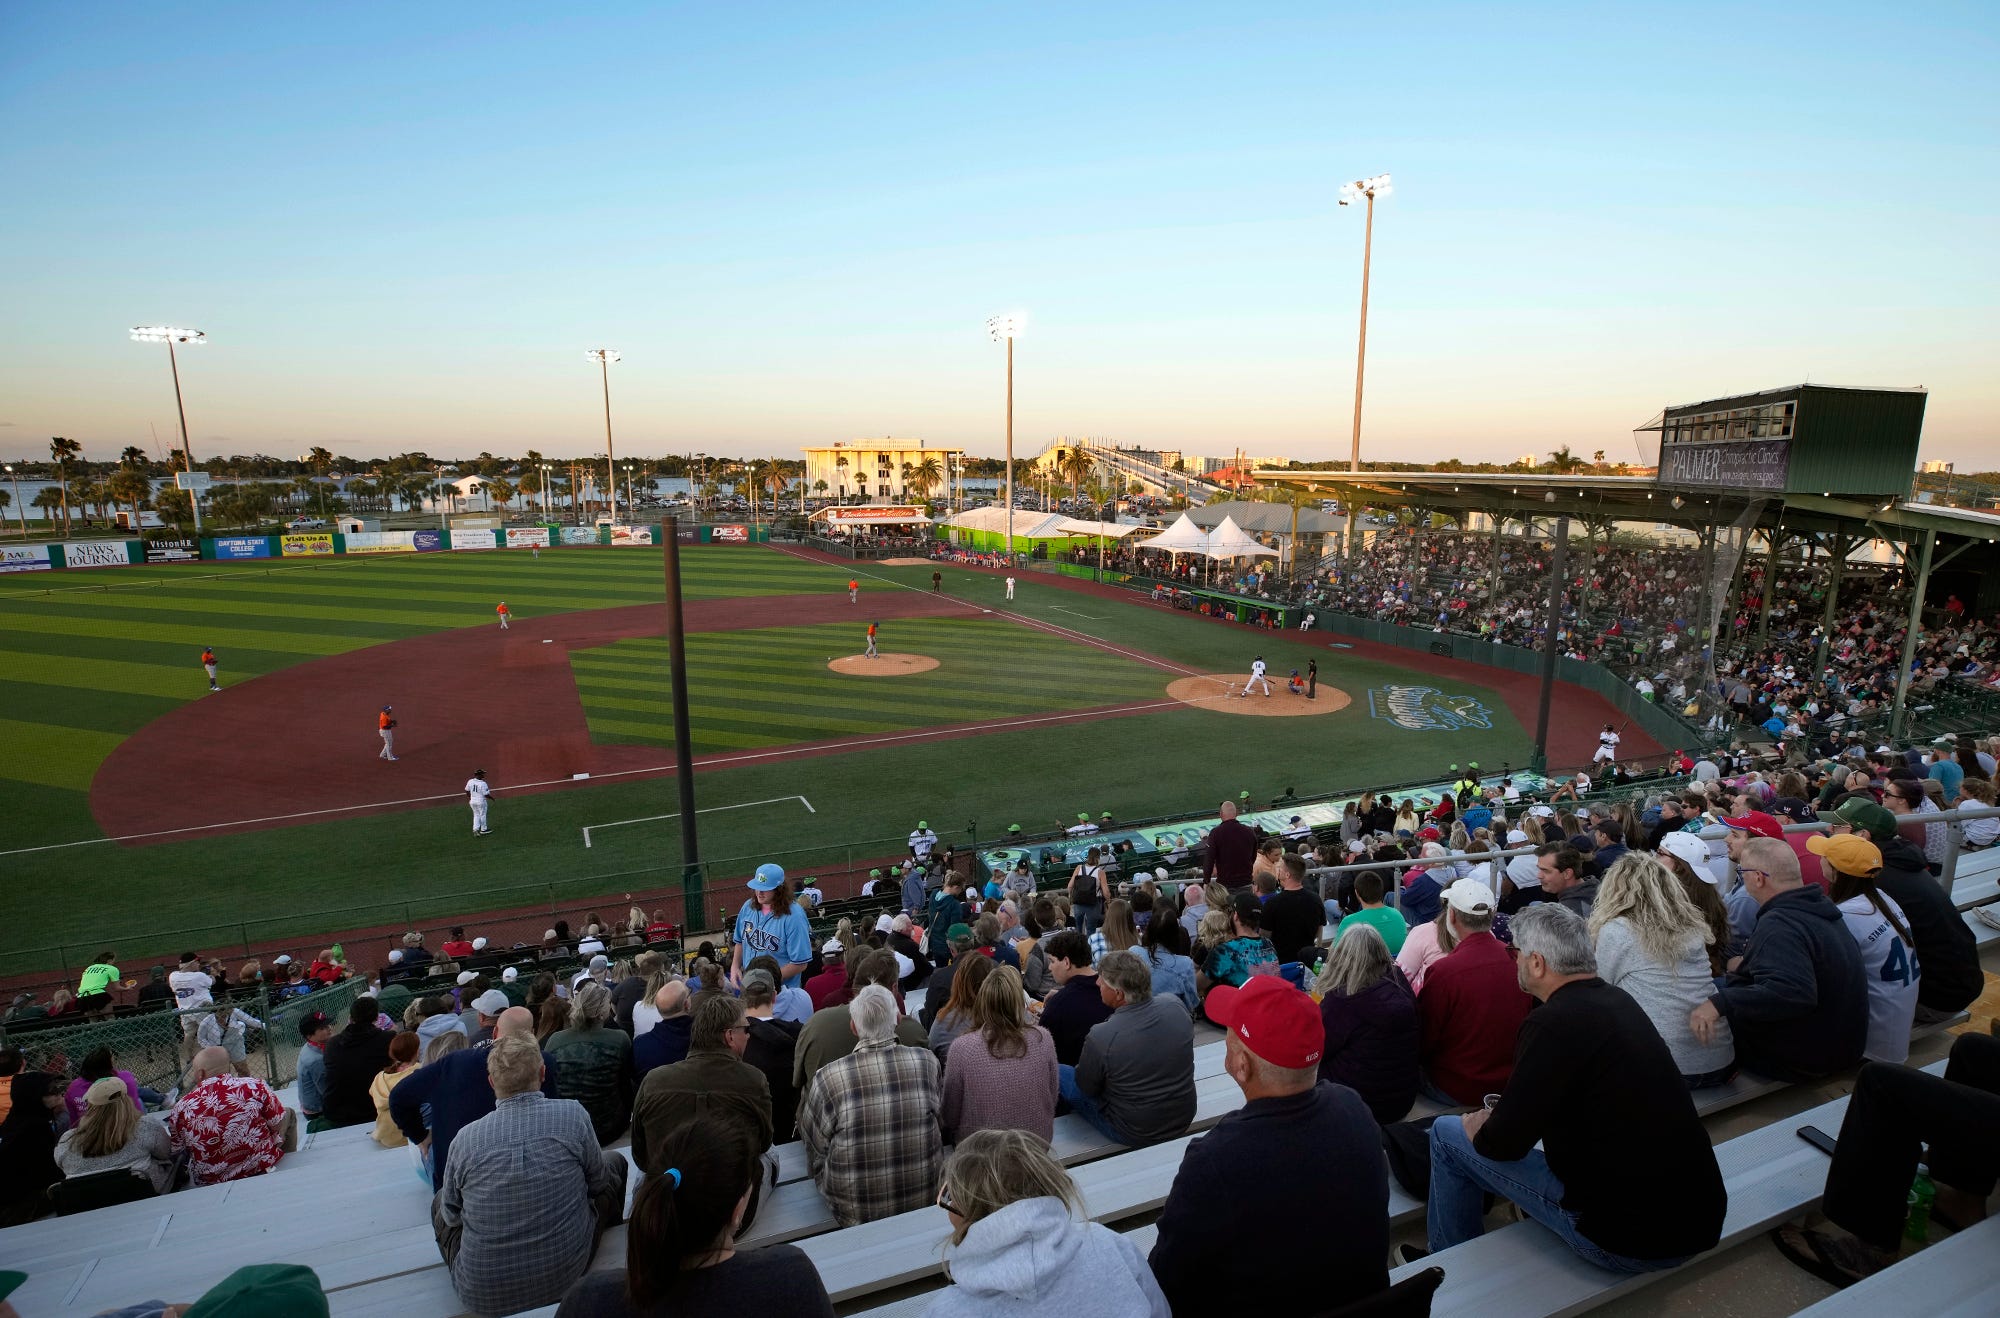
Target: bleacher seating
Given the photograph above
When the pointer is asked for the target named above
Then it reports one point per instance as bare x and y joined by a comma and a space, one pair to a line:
1956, 1277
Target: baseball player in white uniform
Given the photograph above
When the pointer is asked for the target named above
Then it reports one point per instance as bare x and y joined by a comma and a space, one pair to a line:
1010, 588
476, 792
1257, 678
1607, 746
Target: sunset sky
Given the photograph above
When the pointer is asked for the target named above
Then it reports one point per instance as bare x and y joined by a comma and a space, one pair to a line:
402, 225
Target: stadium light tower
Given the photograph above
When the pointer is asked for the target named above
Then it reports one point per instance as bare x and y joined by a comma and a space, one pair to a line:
1008, 328
170, 335
1369, 188
604, 357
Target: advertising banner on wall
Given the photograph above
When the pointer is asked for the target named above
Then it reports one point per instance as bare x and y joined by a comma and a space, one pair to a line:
305, 546
95, 553
380, 542
427, 542
729, 535
25, 558
173, 551
242, 546
579, 535
1736, 464
631, 535
527, 537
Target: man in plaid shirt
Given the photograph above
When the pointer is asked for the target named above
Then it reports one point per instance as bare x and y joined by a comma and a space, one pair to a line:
527, 1192
870, 1120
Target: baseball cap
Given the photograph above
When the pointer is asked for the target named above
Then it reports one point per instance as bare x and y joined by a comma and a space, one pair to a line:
884, 923
262, 1288
1849, 852
760, 976
548, 934
1690, 849
510, 974
108, 1090
1428, 834
1083, 816
1105, 815
1472, 897
874, 874
833, 947
1013, 828
10, 1282
1515, 837
479, 944
1756, 821
1542, 811
312, 1023
923, 823
466, 977
1861, 814
282, 960
491, 1003
1160, 873
768, 876
1272, 1019
396, 956
600, 962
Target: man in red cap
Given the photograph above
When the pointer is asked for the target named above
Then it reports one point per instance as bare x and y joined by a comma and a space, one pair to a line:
1298, 1169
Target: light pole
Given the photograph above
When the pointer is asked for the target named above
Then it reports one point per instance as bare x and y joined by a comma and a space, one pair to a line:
438, 495
169, 335
546, 470
1008, 328
604, 357
1369, 188
20, 509
630, 502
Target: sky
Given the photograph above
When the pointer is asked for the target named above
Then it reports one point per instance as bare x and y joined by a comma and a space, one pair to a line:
401, 226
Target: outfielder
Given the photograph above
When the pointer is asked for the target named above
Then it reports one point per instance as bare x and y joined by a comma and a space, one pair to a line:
853, 590
476, 792
208, 664
387, 725
1607, 746
1257, 678
870, 652
504, 615
1010, 588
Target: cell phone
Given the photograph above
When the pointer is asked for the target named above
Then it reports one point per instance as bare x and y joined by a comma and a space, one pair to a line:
1818, 1138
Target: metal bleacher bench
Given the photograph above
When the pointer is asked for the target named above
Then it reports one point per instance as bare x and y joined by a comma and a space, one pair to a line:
1956, 1277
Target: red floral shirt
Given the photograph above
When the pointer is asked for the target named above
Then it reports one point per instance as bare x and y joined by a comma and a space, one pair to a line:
225, 1124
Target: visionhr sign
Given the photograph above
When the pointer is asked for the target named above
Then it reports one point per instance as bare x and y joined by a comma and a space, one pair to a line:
1730, 464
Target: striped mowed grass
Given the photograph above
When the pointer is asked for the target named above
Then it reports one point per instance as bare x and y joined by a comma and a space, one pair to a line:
89, 657
772, 687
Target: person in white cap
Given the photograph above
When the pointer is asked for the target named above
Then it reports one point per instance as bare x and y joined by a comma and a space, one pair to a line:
1470, 1005
598, 970
1520, 878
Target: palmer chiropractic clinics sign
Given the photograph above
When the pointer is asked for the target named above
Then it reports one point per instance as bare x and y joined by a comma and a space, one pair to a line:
1729, 464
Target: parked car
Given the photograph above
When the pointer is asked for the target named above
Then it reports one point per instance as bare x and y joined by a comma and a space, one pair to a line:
305, 524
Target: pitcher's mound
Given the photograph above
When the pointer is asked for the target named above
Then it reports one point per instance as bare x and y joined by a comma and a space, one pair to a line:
1221, 692
883, 665
908, 562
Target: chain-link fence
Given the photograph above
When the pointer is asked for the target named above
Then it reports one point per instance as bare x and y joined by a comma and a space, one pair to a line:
156, 1045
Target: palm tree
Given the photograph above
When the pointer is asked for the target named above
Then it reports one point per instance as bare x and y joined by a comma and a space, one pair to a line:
819, 488
61, 451
1563, 462
130, 487
925, 477
1075, 464
840, 474
775, 480
502, 489
133, 457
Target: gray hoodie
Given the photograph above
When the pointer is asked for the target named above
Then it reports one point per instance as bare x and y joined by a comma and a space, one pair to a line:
1032, 1257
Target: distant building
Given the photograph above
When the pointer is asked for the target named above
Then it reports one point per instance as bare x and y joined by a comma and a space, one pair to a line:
879, 469
1933, 467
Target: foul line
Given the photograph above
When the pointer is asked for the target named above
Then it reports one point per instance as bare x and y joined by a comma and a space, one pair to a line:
705, 810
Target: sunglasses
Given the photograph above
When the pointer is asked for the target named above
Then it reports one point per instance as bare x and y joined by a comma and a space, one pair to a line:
944, 1199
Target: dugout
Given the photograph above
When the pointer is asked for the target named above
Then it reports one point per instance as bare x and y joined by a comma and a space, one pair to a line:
1233, 608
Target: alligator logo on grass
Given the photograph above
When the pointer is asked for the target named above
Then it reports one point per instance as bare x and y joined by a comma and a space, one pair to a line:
1427, 709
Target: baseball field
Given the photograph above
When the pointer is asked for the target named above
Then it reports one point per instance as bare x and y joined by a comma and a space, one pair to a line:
147, 813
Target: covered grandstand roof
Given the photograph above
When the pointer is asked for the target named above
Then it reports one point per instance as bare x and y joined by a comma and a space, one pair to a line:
1254, 516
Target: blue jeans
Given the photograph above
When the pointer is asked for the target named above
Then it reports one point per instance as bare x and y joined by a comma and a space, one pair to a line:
1461, 1177
1084, 1105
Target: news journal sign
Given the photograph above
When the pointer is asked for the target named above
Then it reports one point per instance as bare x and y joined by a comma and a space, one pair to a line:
95, 553
1730, 464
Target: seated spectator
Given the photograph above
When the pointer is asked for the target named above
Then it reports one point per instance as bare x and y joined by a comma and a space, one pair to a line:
1944, 943
99, 1064
1118, 933
1564, 879
454, 1091
959, 947
1369, 1015
1135, 1079
772, 1047
1390, 924
793, 1002
1896, 1118
1624, 1173
829, 1034
869, 1120
1424, 885
402, 1065
230, 1126
314, 1030
1653, 943
915, 967
28, 1147
353, 1058
1075, 1006
1002, 1073
629, 992
667, 1041
112, 1134
1796, 1003
712, 1084
596, 1061
1426, 945
1007, 1199
1293, 915
527, 1194
1686, 855
680, 1246
457, 947
1284, 1239
954, 1015
1247, 952
1165, 945
1888, 967
829, 987
1470, 1006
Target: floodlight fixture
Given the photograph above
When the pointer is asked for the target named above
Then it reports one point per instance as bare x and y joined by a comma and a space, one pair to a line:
1006, 327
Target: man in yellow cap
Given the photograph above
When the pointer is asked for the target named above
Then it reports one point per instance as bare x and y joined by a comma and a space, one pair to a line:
1850, 863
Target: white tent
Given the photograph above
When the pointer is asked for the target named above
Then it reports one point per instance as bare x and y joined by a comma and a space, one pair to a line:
1183, 537
1228, 540
1109, 530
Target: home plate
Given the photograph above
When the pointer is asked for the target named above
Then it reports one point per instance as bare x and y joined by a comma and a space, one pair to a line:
547, 641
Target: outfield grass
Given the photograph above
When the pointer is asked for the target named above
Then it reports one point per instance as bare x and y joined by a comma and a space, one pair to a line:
97, 665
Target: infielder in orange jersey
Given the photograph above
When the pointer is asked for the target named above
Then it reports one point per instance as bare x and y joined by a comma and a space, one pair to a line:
208, 665
853, 590
387, 724
504, 615
871, 642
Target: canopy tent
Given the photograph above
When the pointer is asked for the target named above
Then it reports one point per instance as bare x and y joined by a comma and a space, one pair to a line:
1183, 537
1109, 530
1229, 540
872, 515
